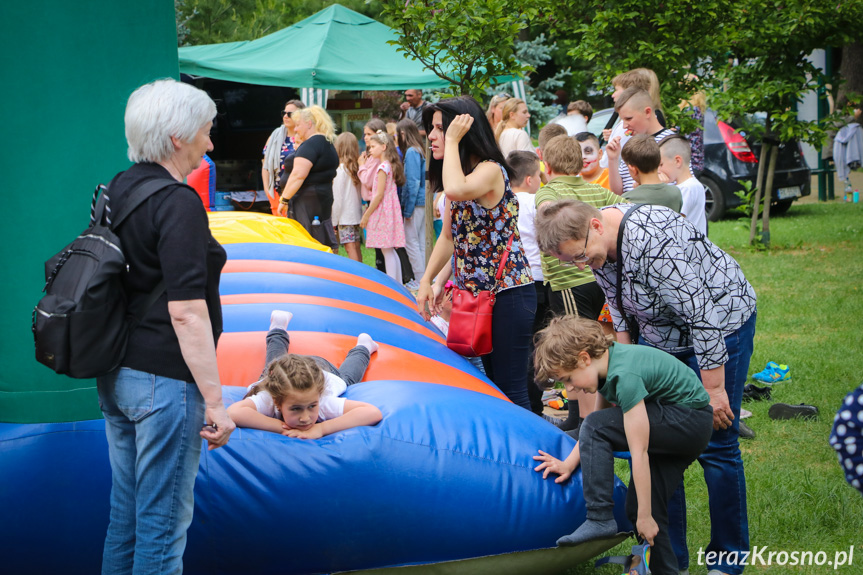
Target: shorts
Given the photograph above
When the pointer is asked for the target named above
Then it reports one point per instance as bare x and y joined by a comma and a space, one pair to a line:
350, 234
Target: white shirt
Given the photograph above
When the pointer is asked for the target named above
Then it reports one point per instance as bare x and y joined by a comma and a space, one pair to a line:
331, 405
573, 123
693, 203
527, 232
513, 139
347, 209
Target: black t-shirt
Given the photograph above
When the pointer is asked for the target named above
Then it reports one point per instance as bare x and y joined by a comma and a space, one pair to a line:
316, 193
325, 161
168, 236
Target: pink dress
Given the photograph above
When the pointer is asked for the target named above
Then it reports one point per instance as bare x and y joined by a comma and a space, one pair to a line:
386, 228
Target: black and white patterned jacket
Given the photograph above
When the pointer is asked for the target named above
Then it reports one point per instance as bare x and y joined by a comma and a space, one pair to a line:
682, 289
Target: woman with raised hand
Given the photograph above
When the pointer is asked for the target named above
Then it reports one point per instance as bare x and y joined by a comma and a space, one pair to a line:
480, 231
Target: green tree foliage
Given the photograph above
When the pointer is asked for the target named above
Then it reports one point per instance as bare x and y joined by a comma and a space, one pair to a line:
217, 21
767, 68
674, 38
535, 53
466, 42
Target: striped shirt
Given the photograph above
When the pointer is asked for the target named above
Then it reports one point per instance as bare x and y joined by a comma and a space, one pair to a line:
628, 182
574, 188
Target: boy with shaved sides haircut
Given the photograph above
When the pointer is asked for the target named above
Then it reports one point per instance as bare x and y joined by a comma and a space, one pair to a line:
635, 107
573, 291
676, 153
642, 157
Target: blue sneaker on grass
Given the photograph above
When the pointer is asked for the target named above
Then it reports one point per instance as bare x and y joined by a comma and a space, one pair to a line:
773, 373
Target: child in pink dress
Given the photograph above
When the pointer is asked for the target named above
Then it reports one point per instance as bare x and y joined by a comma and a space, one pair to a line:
383, 220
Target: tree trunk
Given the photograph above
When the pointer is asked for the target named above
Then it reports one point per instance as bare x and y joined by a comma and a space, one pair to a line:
851, 71
756, 204
768, 195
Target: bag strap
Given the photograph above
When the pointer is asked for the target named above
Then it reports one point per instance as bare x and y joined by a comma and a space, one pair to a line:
631, 325
503, 259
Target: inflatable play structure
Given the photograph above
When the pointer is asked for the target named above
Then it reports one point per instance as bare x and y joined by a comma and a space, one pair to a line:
445, 478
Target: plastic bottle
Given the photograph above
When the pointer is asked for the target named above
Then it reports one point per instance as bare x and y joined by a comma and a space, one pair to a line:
848, 193
316, 221
856, 196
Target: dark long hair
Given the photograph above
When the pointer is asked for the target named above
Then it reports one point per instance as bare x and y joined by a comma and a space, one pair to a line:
479, 140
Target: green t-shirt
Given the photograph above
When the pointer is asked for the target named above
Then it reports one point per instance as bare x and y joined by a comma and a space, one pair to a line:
641, 372
571, 187
657, 194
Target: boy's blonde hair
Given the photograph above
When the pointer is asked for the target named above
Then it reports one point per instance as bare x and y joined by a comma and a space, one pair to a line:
562, 155
642, 151
676, 145
289, 374
643, 78
635, 99
557, 346
548, 132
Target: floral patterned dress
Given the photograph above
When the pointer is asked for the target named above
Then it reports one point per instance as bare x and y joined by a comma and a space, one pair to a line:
480, 237
386, 227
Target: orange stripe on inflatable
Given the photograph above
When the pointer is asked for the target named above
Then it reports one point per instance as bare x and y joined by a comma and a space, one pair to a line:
269, 266
335, 303
241, 357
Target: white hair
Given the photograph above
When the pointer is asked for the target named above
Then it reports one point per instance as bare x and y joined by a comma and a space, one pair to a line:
159, 110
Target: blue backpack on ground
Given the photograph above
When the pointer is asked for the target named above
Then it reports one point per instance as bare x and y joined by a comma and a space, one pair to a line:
82, 323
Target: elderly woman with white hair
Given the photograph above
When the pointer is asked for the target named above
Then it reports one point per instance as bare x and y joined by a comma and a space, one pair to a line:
166, 394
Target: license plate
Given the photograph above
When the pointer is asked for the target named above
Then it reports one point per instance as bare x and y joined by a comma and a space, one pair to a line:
785, 193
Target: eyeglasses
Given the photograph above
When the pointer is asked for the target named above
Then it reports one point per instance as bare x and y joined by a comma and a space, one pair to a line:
286, 113
580, 259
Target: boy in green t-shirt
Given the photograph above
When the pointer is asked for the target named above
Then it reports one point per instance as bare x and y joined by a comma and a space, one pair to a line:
648, 403
571, 290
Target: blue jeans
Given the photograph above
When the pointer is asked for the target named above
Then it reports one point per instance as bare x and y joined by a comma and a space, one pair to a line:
511, 335
153, 425
722, 464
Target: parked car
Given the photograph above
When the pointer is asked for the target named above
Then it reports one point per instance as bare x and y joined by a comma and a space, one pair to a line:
730, 158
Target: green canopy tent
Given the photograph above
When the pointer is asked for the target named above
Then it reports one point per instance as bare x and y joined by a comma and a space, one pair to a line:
335, 49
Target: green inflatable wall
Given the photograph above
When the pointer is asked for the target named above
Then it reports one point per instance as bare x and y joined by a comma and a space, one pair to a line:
67, 71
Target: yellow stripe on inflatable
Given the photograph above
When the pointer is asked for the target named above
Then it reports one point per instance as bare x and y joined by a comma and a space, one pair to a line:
253, 227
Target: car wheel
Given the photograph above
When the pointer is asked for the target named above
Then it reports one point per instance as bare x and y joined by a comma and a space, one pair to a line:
781, 207
714, 201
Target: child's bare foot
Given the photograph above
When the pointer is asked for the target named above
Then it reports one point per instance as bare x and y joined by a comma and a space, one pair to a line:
280, 319
366, 341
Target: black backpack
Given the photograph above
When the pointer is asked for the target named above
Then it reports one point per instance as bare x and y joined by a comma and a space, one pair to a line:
82, 323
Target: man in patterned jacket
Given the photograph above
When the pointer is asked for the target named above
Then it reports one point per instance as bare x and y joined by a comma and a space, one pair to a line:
665, 281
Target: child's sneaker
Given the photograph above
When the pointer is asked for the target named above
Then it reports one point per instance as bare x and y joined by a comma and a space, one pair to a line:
773, 373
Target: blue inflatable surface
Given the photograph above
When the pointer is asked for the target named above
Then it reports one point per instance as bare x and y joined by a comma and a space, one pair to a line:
447, 474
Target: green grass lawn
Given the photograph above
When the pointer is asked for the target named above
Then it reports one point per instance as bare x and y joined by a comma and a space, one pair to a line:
810, 315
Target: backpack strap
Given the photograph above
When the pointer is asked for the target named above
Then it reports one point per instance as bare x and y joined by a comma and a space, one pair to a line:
132, 200
631, 324
135, 198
